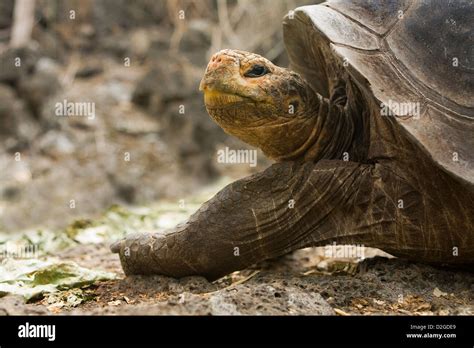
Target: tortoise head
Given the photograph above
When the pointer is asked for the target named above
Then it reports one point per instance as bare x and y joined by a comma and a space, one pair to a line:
260, 103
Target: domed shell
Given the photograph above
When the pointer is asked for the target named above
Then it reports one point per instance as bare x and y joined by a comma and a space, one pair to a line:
417, 57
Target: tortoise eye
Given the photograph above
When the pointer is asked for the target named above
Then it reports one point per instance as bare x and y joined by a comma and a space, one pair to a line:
257, 71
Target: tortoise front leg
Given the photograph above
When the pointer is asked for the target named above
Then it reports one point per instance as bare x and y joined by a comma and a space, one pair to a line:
287, 207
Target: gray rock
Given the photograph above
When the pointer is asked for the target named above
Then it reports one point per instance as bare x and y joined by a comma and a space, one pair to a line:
17, 126
265, 299
15, 305
6, 13
465, 310
15, 63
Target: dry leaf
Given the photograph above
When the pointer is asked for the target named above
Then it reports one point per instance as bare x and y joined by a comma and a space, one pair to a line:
438, 293
340, 312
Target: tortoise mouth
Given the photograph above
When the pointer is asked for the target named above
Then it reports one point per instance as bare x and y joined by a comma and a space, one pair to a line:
215, 99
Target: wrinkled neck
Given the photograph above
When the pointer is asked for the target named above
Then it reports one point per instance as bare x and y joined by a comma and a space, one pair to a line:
334, 132
337, 131
309, 122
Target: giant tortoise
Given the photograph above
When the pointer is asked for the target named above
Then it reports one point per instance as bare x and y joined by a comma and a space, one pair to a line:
371, 131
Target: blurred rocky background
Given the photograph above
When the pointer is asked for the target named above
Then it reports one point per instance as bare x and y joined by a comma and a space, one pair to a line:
139, 63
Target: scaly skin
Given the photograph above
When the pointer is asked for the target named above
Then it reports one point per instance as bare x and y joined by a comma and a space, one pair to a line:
311, 196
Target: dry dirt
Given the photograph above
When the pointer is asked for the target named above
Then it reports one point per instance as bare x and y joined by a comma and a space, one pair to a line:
302, 283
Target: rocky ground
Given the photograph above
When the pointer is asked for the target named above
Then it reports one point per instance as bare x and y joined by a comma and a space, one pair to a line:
292, 285
295, 285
